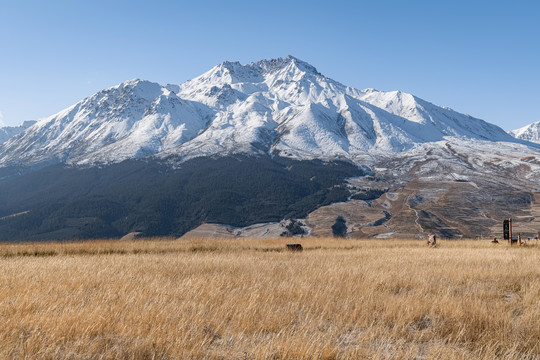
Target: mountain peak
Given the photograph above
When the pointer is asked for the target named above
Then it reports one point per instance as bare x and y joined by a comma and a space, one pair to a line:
233, 72
137, 83
272, 65
230, 64
529, 132
137, 87
302, 65
134, 81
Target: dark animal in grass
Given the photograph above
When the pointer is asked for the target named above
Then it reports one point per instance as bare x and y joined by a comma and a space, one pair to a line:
294, 247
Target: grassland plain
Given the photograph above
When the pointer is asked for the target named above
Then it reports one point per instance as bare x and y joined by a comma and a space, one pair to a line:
251, 299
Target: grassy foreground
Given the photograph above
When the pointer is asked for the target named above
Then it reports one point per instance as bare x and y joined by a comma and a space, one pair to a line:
250, 299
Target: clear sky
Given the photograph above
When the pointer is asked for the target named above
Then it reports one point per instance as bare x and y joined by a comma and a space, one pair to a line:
477, 57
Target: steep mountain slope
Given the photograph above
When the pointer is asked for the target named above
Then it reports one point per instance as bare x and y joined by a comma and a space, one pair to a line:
148, 196
243, 144
530, 133
7, 132
283, 107
131, 120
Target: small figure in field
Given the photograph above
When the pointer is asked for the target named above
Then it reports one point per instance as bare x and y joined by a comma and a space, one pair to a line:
495, 241
432, 240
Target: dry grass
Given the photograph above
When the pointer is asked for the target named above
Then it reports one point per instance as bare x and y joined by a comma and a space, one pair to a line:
250, 299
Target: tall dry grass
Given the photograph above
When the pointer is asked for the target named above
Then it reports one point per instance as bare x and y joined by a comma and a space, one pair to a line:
250, 299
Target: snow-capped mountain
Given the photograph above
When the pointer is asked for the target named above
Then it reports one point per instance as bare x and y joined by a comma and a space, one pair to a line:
279, 106
431, 169
6, 132
530, 133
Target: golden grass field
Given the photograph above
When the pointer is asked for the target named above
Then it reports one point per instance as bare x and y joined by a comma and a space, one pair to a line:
251, 299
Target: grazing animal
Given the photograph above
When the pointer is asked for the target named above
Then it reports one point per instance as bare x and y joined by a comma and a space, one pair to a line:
294, 247
432, 240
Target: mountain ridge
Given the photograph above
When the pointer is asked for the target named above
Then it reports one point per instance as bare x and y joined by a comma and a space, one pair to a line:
529, 132
7, 132
279, 106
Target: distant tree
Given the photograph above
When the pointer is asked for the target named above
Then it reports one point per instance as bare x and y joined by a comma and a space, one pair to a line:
339, 229
294, 228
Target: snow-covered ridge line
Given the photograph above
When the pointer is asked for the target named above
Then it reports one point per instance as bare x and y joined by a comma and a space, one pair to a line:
530, 133
280, 106
7, 132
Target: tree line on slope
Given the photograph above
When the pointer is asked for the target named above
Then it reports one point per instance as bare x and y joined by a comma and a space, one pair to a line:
157, 199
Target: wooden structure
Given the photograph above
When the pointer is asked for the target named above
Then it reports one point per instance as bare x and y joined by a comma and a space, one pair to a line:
507, 230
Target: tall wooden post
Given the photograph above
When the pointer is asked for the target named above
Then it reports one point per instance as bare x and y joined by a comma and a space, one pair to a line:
506, 230
510, 221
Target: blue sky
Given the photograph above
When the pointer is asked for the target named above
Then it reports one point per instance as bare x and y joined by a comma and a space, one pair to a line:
477, 57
